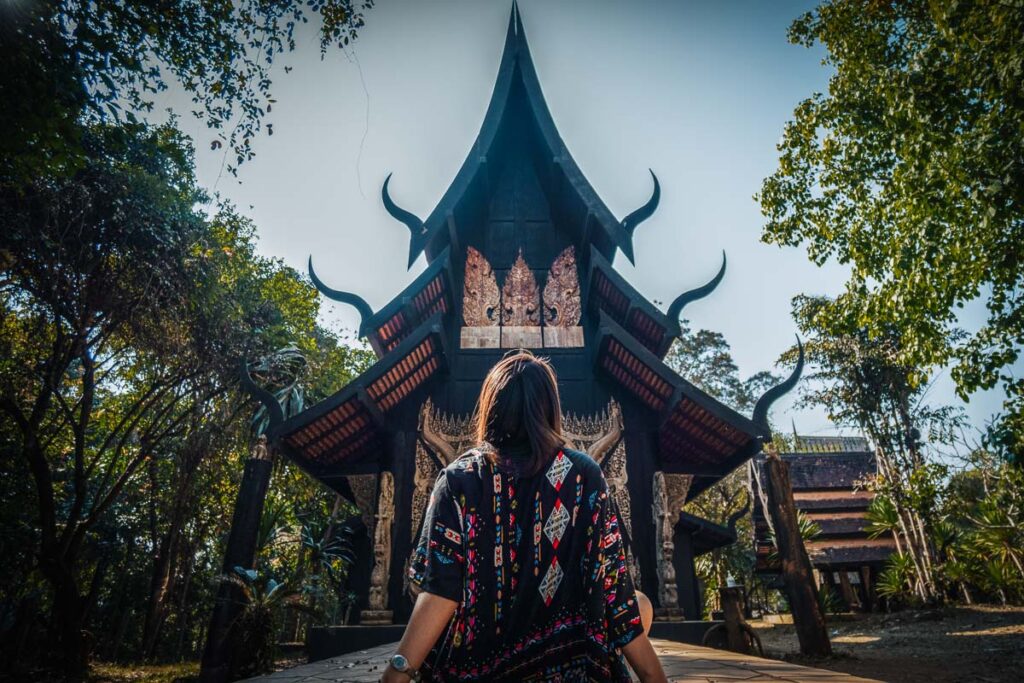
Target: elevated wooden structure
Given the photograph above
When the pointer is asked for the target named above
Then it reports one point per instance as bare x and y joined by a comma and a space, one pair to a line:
829, 489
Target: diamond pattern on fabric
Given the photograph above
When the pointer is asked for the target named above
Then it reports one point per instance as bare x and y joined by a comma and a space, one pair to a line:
549, 584
559, 467
556, 523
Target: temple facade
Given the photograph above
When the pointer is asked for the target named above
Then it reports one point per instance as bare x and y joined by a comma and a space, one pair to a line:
519, 253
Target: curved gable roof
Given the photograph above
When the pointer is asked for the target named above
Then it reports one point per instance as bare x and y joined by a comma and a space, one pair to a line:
517, 79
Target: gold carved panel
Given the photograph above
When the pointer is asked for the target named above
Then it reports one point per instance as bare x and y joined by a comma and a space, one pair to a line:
562, 292
480, 293
514, 315
520, 297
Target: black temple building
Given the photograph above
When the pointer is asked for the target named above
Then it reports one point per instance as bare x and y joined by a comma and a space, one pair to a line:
519, 253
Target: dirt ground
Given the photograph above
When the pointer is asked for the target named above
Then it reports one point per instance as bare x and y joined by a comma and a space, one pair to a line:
983, 644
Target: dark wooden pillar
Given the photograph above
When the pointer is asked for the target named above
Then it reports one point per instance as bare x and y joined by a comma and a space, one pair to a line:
403, 468
640, 467
797, 573
240, 552
688, 586
870, 604
849, 594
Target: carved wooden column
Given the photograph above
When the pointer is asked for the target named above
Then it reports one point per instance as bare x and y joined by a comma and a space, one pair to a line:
378, 613
669, 495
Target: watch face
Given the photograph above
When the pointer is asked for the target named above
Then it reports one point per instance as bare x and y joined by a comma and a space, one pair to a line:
399, 662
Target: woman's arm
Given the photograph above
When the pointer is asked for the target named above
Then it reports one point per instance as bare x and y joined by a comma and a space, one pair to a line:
430, 615
640, 655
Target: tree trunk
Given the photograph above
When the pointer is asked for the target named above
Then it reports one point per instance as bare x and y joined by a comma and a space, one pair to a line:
67, 618
161, 585
797, 573
183, 604
122, 631
731, 599
240, 552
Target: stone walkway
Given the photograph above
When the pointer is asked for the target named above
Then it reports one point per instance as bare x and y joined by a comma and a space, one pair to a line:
683, 663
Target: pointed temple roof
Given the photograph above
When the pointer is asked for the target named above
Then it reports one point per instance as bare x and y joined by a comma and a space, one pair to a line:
628, 335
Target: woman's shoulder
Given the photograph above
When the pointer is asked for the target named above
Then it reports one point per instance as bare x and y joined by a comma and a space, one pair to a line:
472, 461
586, 464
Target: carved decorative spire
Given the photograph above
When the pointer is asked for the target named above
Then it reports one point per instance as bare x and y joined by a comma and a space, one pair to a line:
562, 292
358, 302
637, 217
520, 297
275, 414
417, 229
481, 297
675, 309
764, 404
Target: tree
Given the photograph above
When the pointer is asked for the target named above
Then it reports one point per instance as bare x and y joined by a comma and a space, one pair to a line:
911, 170
94, 287
704, 358
69, 63
862, 381
125, 311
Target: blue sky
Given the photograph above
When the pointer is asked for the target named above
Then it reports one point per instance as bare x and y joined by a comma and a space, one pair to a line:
697, 91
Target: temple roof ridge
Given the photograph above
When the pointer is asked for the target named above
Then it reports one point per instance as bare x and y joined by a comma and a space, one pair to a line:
433, 234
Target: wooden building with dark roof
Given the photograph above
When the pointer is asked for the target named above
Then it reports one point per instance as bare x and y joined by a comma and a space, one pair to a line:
829, 488
519, 252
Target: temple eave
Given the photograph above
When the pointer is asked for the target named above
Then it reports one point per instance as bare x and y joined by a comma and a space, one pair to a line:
349, 425
697, 434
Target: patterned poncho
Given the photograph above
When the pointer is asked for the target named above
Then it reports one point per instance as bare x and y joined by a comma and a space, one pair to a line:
538, 568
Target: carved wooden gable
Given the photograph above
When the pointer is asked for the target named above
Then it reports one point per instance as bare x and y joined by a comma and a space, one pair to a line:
517, 315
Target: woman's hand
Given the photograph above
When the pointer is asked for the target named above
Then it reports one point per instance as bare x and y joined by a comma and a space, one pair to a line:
430, 616
641, 656
392, 676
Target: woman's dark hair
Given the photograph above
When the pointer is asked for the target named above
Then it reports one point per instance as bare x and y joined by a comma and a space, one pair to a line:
519, 412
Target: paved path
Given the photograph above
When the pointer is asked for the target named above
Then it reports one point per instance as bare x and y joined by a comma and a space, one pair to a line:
683, 663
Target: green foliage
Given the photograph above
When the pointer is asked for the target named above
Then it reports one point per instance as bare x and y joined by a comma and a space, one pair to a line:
911, 170
126, 309
976, 528
808, 528
69, 63
863, 381
896, 581
127, 302
982, 535
882, 517
254, 634
829, 600
705, 359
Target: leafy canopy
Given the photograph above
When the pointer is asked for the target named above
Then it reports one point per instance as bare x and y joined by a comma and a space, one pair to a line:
911, 170
68, 62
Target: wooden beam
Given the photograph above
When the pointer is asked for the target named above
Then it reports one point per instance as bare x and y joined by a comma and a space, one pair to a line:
797, 575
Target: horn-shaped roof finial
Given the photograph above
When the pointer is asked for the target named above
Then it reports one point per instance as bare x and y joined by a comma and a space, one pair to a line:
417, 229
275, 415
764, 404
358, 302
637, 217
675, 309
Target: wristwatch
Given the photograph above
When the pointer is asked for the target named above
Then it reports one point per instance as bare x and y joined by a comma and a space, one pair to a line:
400, 664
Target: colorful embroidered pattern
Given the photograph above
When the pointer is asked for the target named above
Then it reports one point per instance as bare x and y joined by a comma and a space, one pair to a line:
560, 467
559, 615
552, 577
557, 522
